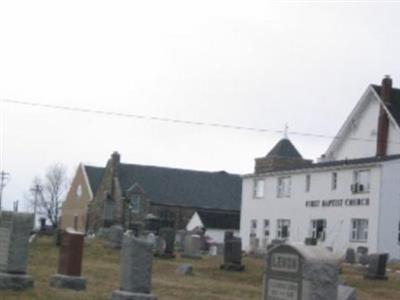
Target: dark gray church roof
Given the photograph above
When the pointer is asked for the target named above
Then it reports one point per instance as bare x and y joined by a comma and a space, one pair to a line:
220, 220
394, 108
284, 148
94, 175
179, 187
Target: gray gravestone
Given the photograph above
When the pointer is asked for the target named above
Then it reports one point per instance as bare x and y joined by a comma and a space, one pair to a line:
377, 266
299, 272
167, 241
232, 253
114, 237
184, 269
192, 247
346, 293
15, 230
136, 266
350, 256
180, 240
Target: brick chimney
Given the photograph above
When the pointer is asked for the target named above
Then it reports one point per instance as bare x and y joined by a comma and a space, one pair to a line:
383, 120
115, 161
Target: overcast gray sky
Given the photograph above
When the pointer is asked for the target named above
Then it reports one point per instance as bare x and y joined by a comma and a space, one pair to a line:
249, 63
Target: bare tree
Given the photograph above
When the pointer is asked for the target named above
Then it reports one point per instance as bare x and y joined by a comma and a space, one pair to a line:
48, 193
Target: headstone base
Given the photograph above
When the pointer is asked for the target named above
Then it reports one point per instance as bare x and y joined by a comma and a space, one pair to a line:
111, 245
123, 295
346, 293
76, 283
375, 277
232, 267
165, 255
191, 256
15, 282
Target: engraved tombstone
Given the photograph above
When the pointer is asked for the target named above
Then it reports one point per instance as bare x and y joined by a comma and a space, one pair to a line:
300, 272
192, 246
232, 253
136, 265
70, 262
377, 266
14, 241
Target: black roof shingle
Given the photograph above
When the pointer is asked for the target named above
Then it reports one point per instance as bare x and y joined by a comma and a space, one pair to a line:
284, 148
178, 187
220, 220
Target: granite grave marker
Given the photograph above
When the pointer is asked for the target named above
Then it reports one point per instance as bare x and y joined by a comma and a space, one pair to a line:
232, 253
15, 230
377, 266
136, 268
69, 274
300, 272
192, 247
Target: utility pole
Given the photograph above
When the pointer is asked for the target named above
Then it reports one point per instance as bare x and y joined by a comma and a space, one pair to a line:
37, 190
16, 202
4, 176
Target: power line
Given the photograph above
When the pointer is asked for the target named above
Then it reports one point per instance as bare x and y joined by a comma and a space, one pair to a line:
177, 121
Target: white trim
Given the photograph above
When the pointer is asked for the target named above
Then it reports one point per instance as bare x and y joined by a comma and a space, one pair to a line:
315, 169
86, 178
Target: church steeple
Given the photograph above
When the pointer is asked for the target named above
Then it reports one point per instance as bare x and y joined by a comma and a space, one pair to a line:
283, 155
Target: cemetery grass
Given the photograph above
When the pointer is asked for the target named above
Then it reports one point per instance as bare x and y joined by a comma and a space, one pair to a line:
101, 269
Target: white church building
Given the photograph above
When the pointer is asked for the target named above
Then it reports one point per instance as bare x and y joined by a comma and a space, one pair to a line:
349, 198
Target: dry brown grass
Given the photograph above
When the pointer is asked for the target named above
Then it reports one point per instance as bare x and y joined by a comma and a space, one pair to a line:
101, 268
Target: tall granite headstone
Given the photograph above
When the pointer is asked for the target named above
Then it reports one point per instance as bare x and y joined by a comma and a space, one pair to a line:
69, 274
168, 236
192, 246
300, 272
377, 266
136, 266
15, 230
232, 253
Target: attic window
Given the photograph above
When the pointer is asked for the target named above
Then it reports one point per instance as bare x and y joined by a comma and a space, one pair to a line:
79, 192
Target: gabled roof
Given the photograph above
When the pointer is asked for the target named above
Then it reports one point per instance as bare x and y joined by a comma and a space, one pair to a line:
219, 220
178, 187
394, 108
94, 175
284, 148
371, 93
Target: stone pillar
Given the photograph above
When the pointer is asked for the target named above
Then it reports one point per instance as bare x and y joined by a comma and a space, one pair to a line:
192, 247
232, 253
136, 265
15, 230
70, 262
